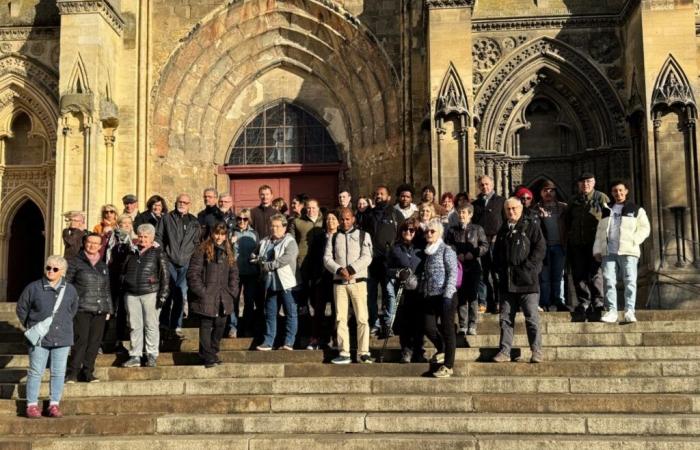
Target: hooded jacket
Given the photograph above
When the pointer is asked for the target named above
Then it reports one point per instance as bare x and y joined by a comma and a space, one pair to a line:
214, 284
348, 249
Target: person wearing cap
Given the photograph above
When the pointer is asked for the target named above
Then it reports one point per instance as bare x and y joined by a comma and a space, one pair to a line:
131, 205
527, 198
582, 217
551, 214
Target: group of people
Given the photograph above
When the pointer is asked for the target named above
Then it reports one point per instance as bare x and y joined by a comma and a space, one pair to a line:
430, 262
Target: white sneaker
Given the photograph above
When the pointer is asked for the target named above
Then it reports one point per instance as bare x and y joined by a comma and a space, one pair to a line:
438, 358
609, 317
629, 317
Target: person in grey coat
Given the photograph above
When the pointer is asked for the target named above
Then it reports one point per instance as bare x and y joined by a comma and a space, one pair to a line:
34, 305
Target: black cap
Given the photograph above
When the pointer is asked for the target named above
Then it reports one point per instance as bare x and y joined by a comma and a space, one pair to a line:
129, 198
585, 176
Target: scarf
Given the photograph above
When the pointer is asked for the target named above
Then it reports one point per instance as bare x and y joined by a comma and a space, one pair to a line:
432, 248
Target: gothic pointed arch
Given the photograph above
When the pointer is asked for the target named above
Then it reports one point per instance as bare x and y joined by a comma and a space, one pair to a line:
546, 64
672, 86
14, 201
635, 103
452, 98
78, 82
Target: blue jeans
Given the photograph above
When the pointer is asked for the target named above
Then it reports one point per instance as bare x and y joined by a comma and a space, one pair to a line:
552, 276
249, 290
389, 302
628, 266
38, 356
290, 313
173, 309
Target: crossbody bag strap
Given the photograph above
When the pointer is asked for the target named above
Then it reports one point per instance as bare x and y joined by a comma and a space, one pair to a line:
58, 300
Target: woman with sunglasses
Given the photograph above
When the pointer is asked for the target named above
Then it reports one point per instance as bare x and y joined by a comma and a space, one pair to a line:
439, 288
212, 277
245, 240
37, 302
405, 256
108, 223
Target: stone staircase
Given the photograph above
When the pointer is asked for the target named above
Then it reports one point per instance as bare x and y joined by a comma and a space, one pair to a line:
602, 386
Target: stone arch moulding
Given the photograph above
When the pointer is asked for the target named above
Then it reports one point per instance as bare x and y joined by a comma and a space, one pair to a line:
242, 40
567, 69
672, 86
78, 81
452, 98
14, 201
26, 86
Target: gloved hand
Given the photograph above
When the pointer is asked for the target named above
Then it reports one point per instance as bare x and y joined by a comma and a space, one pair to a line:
160, 302
403, 274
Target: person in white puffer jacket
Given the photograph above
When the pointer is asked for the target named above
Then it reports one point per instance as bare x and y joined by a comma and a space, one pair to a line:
622, 229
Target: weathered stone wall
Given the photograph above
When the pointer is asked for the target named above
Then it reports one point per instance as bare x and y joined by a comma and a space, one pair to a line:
37, 13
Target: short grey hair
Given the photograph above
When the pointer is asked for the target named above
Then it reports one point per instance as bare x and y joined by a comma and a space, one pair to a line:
57, 261
278, 218
146, 228
211, 189
436, 224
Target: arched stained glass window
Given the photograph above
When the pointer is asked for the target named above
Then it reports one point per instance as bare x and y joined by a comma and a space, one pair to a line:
283, 134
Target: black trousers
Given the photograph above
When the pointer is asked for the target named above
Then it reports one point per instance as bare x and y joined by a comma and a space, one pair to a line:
322, 328
444, 336
211, 330
88, 329
489, 288
409, 319
588, 279
468, 298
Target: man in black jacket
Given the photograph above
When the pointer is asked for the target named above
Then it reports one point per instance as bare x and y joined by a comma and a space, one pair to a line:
488, 213
146, 286
382, 224
260, 215
518, 254
178, 235
209, 196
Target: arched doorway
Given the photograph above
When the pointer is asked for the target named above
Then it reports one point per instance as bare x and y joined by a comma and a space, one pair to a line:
287, 148
26, 249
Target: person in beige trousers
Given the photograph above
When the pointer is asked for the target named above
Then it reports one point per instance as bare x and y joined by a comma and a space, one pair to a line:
347, 256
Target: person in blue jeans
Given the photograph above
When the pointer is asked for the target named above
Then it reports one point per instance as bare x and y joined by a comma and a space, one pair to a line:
551, 214
277, 255
621, 230
245, 241
37, 302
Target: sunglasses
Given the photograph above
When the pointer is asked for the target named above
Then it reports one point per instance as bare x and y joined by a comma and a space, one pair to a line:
52, 269
430, 231
241, 219
408, 230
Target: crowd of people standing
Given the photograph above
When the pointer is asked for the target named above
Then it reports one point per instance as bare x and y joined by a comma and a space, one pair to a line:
430, 262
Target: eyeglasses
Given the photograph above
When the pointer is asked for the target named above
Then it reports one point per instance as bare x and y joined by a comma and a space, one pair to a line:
429, 231
408, 230
241, 219
52, 269
110, 212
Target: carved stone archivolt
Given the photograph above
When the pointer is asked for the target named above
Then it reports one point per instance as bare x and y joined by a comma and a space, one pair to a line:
570, 73
38, 177
30, 70
486, 53
604, 47
452, 98
448, 3
672, 86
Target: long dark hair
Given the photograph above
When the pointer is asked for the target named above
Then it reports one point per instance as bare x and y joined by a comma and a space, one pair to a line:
208, 245
155, 199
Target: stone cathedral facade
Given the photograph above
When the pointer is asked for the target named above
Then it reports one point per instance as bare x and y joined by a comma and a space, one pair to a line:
99, 98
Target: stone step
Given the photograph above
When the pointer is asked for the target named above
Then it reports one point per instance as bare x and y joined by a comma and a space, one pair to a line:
573, 424
7, 312
393, 355
491, 403
387, 441
461, 368
372, 385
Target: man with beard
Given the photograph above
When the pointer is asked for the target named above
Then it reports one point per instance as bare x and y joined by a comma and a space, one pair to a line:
404, 203
382, 224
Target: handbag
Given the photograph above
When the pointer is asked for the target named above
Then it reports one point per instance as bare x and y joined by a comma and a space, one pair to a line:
40, 329
460, 274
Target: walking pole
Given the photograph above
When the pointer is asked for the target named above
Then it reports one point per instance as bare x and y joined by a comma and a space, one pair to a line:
399, 297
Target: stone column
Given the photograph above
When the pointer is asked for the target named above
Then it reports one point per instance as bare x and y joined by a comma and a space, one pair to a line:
449, 43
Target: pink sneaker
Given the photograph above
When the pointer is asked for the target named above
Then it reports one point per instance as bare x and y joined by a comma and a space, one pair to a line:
33, 412
55, 411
